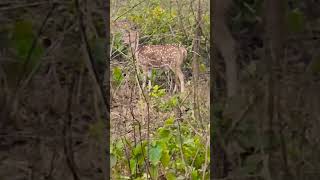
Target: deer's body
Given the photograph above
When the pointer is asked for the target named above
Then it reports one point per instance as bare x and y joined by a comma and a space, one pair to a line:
157, 56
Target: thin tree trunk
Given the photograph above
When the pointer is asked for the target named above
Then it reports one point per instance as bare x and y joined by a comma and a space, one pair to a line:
275, 16
224, 41
195, 62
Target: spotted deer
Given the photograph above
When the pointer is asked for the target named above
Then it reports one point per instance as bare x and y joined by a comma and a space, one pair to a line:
168, 57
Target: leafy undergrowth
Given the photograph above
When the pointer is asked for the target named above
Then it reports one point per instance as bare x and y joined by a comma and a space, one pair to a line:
178, 145
175, 153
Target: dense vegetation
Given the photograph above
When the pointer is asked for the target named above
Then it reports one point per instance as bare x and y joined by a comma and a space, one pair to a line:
159, 134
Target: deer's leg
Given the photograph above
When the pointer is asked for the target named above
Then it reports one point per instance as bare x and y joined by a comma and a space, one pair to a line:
175, 83
180, 75
170, 80
144, 80
149, 74
172, 86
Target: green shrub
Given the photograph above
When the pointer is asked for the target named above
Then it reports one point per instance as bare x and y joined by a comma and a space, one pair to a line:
164, 155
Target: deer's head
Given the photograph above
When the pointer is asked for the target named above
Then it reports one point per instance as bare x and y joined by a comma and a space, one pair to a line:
130, 37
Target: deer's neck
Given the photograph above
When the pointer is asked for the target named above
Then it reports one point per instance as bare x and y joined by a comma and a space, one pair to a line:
134, 46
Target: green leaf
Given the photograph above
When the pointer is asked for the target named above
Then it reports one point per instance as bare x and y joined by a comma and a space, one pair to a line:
295, 20
164, 133
195, 175
203, 68
179, 164
171, 176
137, 150
174, 101
157, 92
165, 158
155, 154
169, 121
188, 152
153, 77
117, 149
199, 160
189, 141
113, 160
117, 75
133, 165
154, 143
197, 141
154, 172
119, 145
